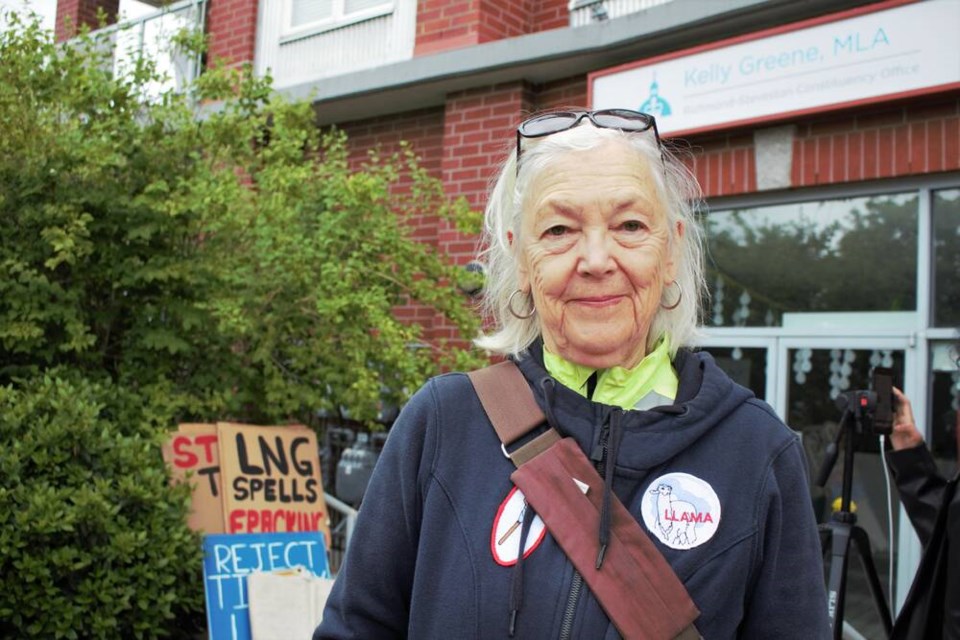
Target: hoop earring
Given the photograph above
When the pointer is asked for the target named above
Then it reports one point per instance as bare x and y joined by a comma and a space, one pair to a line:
679, 298
533, 309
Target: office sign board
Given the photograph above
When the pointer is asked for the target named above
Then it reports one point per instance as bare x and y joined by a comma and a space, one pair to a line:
857, 57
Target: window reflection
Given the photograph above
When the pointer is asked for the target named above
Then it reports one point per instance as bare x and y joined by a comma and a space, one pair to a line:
946, 258
817, 378
945, 404
852, 254
746, 366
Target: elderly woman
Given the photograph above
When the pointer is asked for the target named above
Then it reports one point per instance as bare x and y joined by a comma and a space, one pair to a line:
594, 278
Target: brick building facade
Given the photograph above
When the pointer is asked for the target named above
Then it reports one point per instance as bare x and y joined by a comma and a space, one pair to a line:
454, 77
462, 137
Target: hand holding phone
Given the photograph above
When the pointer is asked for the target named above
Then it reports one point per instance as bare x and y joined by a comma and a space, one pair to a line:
905, 434
883, 387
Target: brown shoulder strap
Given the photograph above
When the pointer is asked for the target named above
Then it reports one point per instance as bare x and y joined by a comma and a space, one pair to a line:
640, 592
505, 396
637, 587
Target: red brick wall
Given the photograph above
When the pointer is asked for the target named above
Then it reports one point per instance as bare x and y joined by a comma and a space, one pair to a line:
423, 129
452, 24
232, 29
876, 142
73, 14
550, 14
889, 142
566, 93
724, 164
446, 24
500, 19
479, 130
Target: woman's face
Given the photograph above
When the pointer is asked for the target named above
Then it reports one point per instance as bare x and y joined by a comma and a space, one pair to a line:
595, 252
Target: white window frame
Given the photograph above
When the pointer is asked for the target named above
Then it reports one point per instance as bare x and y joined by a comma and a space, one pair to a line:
337, 20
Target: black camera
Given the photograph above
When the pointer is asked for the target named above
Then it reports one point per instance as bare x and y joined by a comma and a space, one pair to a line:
873, 408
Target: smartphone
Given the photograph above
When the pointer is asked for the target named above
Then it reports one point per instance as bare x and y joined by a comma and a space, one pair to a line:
883, 387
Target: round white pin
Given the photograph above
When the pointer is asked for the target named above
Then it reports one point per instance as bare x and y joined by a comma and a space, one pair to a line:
681, 510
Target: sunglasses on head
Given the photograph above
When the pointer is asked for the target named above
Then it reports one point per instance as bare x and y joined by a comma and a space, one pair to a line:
547, 124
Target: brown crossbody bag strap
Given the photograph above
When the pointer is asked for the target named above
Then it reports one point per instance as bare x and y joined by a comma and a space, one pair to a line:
636, 586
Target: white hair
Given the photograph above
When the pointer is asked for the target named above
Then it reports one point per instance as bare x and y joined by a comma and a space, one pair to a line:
678, 191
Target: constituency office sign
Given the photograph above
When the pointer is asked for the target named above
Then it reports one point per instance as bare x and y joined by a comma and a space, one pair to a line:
904, 49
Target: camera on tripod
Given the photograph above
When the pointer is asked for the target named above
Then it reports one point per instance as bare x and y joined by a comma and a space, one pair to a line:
864, 411
872, 409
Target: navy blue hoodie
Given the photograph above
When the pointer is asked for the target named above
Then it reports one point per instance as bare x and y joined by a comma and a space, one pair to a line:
716, 479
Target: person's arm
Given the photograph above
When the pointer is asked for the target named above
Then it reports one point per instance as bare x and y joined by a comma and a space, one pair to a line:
905, 433
918, 480
371, 595
789, 598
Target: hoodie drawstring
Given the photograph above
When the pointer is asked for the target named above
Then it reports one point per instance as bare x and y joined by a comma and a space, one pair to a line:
609, 461
549, 386
609, 464
516, 590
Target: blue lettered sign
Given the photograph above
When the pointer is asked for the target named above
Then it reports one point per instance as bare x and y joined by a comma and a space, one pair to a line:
228, 559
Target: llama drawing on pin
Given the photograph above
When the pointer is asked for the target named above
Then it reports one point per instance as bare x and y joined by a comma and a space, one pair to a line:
676, 519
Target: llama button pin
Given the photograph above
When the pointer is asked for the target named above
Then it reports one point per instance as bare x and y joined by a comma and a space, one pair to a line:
681, 510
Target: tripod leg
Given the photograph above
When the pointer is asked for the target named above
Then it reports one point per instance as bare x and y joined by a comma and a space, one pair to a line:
859, 537
839, 545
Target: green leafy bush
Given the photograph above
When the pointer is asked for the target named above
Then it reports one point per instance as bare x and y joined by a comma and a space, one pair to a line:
164, 263
92, 541
231, 253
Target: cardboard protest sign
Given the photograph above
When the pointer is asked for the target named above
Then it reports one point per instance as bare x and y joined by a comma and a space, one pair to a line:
192, 452
271, 479
228, 561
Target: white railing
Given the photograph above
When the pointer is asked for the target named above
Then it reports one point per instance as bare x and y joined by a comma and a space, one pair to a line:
584, 12
342, 521
151, 36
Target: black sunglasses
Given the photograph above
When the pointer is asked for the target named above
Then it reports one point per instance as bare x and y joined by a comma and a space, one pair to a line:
547, 124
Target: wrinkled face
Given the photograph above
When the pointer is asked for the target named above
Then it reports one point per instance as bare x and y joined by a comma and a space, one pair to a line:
595, 252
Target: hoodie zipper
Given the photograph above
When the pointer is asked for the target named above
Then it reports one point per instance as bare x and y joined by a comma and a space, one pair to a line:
598, 456
566, 628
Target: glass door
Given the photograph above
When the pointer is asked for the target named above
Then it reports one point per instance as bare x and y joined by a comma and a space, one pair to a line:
751, 362
802, 379
816, 373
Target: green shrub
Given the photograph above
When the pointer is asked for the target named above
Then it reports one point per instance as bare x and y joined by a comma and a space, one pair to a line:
92, 536
158, 266
233, 254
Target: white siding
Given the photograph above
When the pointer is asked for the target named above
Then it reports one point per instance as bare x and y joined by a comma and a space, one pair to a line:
354, 46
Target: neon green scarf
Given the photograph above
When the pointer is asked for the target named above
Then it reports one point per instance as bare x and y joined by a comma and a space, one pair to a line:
652, 382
